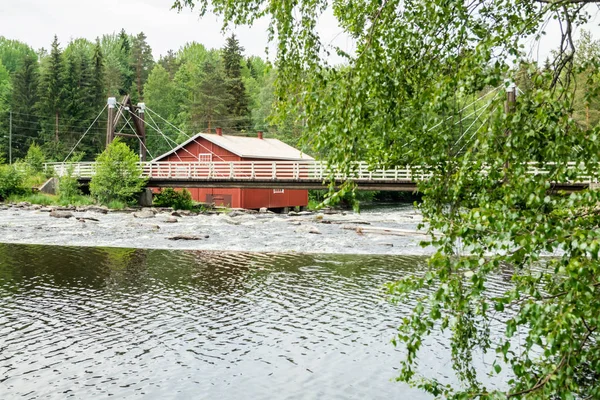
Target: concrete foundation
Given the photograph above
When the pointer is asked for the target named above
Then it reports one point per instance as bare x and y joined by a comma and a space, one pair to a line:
145, 198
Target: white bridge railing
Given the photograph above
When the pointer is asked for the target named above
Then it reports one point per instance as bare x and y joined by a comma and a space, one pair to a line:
248, 170
279, 171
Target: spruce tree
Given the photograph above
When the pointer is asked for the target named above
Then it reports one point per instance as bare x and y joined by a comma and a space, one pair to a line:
52, 87
24, 97
97, 78
213, 96
125, 57
237, 102
141, 62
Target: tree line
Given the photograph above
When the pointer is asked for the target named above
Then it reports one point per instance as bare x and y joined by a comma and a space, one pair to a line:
52, 97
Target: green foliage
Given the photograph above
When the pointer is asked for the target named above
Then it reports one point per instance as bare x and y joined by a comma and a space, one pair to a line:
178, 199
68, 186
237, 102
117, 175
35, 159
400, 99
24, 99
116, 205
33, 198
11, 181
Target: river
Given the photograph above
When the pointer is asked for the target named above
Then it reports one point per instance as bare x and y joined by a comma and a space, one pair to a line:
90, 322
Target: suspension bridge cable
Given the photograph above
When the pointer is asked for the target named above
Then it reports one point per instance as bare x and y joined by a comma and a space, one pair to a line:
165, 137
185, 134
484, 108
460, 120
139, 138
156, 128
80, 139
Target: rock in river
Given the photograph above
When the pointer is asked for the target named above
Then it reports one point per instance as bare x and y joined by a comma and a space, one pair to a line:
144, 214
61, 214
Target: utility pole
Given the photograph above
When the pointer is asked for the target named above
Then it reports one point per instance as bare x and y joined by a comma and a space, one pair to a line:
10, 137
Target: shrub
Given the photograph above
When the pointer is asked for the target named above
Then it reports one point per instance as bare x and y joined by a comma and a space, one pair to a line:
35, 159
118, 175
116, 205
11, 181
179, 200
68, 186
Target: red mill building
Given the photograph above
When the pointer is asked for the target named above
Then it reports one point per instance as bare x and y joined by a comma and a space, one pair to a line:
205, 147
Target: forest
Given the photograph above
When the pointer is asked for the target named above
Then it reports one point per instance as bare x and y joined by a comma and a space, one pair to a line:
52, 97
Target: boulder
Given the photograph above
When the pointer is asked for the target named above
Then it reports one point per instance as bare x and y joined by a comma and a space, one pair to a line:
171, 220
96, 209
188, 237
229, 220
304, 213
143, 214
175, 214
235, 213
61, 214
308, 229
263, 210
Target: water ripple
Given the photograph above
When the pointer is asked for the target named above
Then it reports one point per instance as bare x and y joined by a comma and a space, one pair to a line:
127, 323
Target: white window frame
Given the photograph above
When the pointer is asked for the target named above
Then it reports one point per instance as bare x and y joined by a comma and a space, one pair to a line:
205, 157
278, 190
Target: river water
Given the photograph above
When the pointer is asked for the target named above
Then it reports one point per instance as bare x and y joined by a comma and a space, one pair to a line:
173, 324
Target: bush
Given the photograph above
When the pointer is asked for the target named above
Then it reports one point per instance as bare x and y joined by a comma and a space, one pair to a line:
118, 175
35, 159
68, 186
11, 181
179, 200
116, 205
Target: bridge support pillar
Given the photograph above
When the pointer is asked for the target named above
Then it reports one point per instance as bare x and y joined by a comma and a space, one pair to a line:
145, 198
110, 127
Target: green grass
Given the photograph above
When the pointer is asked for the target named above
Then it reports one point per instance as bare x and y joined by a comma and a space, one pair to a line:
77, 200
33, 198
116, 205
47, 200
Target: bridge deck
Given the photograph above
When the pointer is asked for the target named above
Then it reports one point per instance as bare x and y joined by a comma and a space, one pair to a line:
280, 174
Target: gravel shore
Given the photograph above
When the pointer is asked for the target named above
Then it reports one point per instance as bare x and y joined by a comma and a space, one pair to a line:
332, 233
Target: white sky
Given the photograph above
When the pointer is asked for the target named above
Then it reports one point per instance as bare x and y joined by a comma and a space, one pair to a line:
36, 21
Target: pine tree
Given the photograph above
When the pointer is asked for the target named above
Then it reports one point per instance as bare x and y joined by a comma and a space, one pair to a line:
237, 102
141, 62
24, 98
52, 86
170, 63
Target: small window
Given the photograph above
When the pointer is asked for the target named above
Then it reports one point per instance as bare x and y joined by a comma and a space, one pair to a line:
205, 157
278, 190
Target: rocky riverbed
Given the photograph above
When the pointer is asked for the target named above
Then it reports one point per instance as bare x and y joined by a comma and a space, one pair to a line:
385, 231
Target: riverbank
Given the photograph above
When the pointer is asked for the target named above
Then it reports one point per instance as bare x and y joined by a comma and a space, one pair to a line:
389, 231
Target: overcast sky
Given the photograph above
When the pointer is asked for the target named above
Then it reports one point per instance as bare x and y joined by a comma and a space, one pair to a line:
36, 21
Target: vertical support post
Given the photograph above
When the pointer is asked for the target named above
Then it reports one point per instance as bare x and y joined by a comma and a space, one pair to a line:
142, 133
10, 137
110, 128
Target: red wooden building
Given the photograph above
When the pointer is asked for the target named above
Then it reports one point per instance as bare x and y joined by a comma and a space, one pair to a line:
205, 147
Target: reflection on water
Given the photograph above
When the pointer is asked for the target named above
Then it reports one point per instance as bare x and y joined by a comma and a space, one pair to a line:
88, 322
